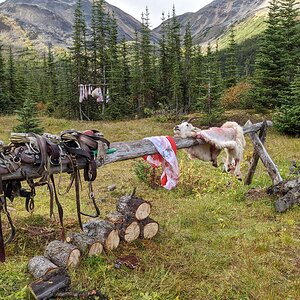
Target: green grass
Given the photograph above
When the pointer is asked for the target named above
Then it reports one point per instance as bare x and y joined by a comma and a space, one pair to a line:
218, 238
244, 30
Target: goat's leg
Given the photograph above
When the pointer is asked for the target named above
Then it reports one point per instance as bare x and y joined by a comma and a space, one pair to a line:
237, 170
214, 156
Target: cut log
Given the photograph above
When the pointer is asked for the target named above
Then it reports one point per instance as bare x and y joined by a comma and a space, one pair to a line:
63, 254
48, 285
130, 230
128, 227
288, 200
149, 228
103, 231
134, 206
38, 266
86, 245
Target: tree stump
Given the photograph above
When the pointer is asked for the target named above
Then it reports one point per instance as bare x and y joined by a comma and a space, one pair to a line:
128, 227
38, 266
149, 228
134, 206
103, 231
63, 254
48, 285
85, 244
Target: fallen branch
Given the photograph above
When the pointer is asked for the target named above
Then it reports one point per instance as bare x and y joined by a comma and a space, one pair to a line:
82, 295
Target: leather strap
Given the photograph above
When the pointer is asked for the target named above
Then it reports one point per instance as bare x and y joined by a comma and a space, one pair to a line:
2, 247
59, 208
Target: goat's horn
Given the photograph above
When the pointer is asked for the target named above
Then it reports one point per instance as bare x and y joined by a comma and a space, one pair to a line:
191, 119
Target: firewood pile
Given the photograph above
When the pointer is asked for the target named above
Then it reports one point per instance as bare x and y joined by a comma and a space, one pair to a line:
130, 221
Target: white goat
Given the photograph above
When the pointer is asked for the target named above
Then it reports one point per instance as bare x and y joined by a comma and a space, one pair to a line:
229, 137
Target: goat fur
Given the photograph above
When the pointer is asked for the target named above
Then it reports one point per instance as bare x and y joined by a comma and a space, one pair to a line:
229, 137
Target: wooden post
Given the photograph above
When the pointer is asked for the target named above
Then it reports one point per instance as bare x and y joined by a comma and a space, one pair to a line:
265, 158
255, 157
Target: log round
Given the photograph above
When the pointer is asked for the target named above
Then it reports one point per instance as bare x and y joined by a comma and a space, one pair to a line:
128, 227
130, 230
85, 244
149, 228
38, 266
133, 206
63, 254
103, 231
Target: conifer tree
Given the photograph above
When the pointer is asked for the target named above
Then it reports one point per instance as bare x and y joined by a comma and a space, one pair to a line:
211, 104
4, 105
164, 66
12, 84
269, 74
27, 116
78, 50
287, 119
198, 84
290, 26
174, 55
231, 61
136, 73
187, 68
146, 64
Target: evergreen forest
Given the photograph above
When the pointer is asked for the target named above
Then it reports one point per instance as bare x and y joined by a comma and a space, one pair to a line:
139, 78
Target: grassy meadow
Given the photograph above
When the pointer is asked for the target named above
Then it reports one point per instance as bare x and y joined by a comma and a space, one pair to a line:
218, 239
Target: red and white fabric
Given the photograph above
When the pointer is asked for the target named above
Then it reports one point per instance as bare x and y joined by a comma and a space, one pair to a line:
166, 147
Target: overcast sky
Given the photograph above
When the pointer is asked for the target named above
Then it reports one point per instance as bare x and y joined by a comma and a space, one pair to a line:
156, 7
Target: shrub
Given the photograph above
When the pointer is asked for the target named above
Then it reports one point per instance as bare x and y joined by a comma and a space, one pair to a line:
237, 96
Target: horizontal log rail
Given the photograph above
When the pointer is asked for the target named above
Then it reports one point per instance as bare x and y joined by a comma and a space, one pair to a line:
125, 151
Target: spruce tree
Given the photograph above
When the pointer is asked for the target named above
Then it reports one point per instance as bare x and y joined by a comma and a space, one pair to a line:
211, 104
174, 56
27, 116
231, 61
198, 84
4, 104
164, 66
269, 74
187, 68
287, 119
136, 74
12, 84
146, 64
78, 51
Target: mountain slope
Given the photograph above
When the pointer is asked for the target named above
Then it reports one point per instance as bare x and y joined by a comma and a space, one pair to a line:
51, 22
214, 19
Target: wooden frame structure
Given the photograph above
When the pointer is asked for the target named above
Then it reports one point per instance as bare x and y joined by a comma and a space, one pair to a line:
135, 149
